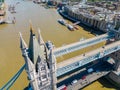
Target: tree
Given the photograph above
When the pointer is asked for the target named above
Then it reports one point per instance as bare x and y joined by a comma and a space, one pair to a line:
1, 0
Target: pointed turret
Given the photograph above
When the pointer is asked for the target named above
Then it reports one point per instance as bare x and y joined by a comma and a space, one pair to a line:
33, 46
52, 70
36, 63
23, 45
30, 68
40, 39
42, 43
31, 28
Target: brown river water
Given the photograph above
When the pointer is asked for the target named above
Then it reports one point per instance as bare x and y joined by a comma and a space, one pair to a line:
46, 19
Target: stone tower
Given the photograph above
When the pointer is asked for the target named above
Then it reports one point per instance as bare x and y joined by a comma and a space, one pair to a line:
52, 70
40, 63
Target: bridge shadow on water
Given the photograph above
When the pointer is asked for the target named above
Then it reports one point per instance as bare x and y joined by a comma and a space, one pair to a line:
91, 30
105, 83
28, 87
99, 66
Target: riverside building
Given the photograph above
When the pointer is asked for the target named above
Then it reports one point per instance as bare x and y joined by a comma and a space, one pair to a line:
92, 16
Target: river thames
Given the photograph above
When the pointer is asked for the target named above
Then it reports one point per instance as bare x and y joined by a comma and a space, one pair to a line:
11, 59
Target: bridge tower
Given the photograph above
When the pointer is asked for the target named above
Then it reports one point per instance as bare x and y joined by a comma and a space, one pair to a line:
52, 70
40, 63
114, 76
115, 55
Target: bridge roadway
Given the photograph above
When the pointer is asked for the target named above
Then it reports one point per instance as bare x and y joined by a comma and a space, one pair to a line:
78, 61
81, 44
89, 79
84, 78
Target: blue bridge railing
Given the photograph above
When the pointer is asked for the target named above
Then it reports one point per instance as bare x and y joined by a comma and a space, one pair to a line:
13, 79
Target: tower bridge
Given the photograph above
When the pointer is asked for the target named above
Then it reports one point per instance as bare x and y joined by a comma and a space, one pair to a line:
43, 71
41, 61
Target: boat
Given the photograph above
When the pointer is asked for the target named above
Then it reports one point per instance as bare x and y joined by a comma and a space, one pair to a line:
76, 27
37, 1
62, 21
2, 20
70, 27
7, 21
2, 9
12, 9
2, 12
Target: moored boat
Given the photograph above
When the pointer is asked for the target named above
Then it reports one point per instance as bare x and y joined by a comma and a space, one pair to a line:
2, 9
37, 1
70, 27
62, 21
76, 27
2, 12
2, 20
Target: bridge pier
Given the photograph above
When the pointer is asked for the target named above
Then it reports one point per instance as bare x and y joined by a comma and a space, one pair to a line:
117, 65
115, 55
114, 76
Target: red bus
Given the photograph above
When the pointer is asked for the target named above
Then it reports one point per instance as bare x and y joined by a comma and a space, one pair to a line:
63, 87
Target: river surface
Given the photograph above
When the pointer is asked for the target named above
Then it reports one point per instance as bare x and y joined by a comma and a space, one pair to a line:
46, 19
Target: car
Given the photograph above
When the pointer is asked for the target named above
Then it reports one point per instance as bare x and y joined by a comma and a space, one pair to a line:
90, 70
74, 81
84, 77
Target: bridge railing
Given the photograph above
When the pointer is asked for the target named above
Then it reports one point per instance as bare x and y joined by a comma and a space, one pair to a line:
13, 79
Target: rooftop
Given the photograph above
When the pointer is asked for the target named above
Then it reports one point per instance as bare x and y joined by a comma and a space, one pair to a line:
92, 11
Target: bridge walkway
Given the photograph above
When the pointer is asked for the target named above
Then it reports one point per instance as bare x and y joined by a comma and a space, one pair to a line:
81, 44
89, 79
78, 61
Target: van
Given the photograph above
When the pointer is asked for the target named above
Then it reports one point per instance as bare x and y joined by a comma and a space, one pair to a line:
90, 70
74, 81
